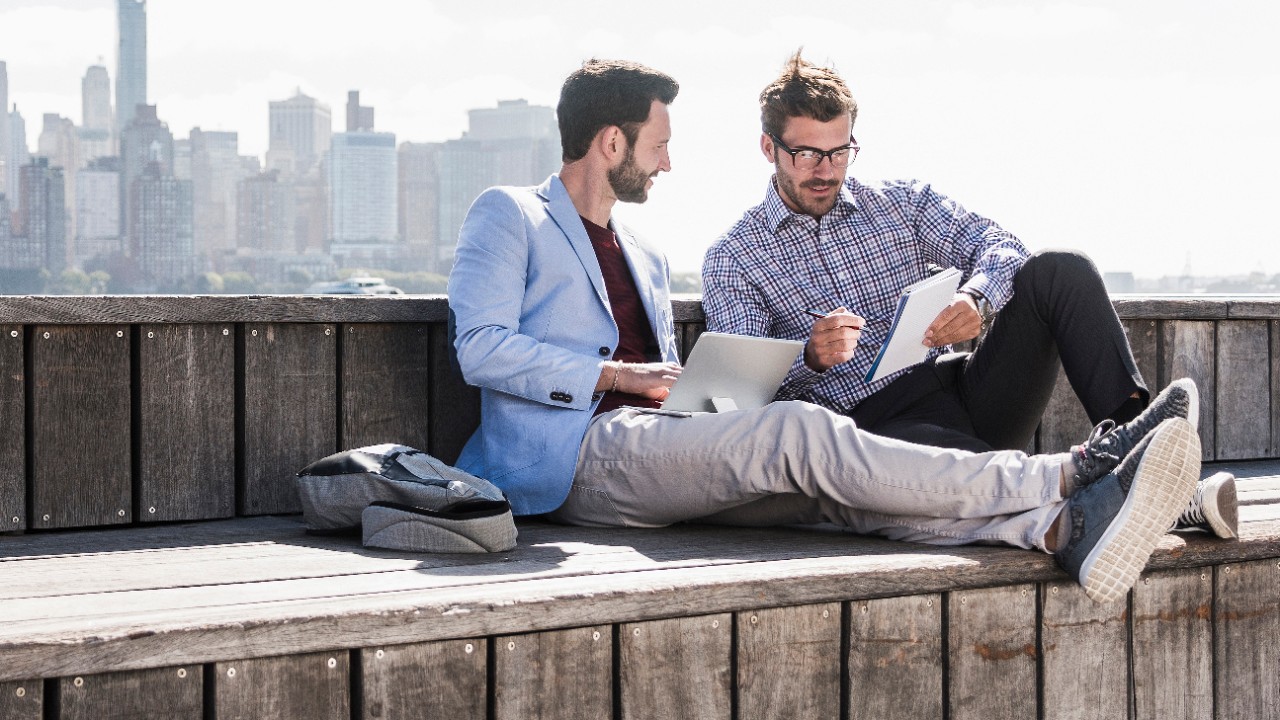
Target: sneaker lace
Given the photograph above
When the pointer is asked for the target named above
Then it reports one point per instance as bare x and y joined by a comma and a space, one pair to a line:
1095, 447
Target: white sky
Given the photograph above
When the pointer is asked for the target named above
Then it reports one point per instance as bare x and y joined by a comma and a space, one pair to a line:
1146, 132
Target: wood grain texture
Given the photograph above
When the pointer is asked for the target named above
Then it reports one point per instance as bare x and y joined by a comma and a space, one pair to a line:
140, 309
313, 686
676, 668
789, 662
175, 693
186, 423
1246, 653
1275, 386
385, 384
443, 679
454, 405
1085, 654
1144, 341
1173, 645
561, 674
992, 653
1188, 349
13, 450
22, 700
290, 411
80, 444
688, 337
1244, 390
895, 657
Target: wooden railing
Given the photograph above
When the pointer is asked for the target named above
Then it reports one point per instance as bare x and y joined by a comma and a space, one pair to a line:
124, 410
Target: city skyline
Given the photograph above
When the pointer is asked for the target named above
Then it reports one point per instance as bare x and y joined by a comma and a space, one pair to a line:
1139, 134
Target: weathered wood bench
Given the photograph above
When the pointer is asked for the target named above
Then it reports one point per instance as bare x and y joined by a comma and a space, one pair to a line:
154, 413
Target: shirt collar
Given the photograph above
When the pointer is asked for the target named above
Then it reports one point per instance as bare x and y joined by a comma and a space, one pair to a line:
777, 212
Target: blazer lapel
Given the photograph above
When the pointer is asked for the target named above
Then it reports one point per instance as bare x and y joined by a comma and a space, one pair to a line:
560, 208
643, 274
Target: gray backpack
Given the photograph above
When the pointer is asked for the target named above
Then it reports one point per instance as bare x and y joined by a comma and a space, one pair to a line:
405, 499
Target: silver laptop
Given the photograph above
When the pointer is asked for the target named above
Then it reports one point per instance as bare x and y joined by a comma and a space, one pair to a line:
745, 370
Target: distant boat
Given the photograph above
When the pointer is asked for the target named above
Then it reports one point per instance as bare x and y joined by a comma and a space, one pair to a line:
355, 286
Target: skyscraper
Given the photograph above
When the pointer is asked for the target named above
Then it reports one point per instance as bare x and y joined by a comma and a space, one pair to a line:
17, 157
4, 128
300, 130
160, 240
42, 216
266, 214
362, 182
60, 142
419, 206
145, 141
216, 171
96, 138
359, 117
131, 60
97, 210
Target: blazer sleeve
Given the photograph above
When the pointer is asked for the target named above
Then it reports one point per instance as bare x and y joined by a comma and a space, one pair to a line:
506, 327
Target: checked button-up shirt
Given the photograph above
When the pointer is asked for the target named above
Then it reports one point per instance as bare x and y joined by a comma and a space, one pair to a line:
760, 276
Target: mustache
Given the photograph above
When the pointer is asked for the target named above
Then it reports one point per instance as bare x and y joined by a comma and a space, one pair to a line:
819, 184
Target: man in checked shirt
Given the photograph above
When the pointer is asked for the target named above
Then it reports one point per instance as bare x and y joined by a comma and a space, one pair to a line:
823, 240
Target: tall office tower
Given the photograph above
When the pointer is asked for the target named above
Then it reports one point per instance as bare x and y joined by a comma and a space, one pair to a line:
160, 240
144, 141
216, 170
96, 138
419, 191
18, 156
266, 213
359, 117
513, 144
4, 128
299, 132
362, 187
42, 215
97, 210
60, 142
131, 60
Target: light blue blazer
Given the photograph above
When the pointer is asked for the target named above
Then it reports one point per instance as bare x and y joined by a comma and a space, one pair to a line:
534, 326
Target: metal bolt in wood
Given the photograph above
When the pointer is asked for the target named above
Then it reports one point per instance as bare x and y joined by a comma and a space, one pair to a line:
636, 632
231, 672
14, 333
182, 672
379, 654
119, 333
255, 333
150, 334
226, 331
151, 510
20, 692
120, 513
754, 620
826, 613
46, 336
469, 648
46, 518
511, 646
595, 635
715, 623
78, 682
333, 663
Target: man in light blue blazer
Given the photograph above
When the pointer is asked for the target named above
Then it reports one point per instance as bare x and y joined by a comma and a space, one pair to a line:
564, 322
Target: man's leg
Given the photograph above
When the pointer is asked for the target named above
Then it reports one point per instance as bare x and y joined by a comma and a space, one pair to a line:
649, 470
1060, 308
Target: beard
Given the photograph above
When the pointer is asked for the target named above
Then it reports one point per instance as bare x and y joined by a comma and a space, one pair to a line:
628, 180
793, 191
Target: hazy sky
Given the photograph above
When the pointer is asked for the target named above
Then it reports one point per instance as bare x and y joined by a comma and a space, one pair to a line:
1145, 132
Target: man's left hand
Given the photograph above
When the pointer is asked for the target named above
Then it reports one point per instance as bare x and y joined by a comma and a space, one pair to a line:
958, 322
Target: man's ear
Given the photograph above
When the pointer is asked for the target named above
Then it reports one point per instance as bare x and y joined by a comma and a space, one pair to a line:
612, 142
766, 147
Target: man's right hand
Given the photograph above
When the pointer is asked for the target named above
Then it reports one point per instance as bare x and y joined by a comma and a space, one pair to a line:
832, 339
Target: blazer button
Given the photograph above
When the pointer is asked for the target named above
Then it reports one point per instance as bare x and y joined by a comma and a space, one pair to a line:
604, 352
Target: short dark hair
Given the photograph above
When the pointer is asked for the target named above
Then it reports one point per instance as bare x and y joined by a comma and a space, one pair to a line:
604, 93
804, 90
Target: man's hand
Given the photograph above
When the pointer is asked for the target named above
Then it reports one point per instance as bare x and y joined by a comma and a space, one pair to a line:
958, 322
832, 339
648, 380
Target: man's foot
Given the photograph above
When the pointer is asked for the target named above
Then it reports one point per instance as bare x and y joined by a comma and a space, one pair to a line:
1213, 507
1098, 455
1115, 523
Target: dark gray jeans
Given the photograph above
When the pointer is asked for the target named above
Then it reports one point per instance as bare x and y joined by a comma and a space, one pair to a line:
993, 398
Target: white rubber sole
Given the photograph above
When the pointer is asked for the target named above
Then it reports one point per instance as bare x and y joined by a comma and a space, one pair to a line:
1162, 486
1220, 505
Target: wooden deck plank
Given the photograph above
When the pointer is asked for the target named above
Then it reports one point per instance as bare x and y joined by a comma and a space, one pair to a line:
895, 656
445, 679
677, 668
1084, 653
313, 686
13, 452
385, 384
455, 405
1064, 422
560, 674
1247, 623
1189, 352
1173, 645
789, 662
174, 693
80, 445
186, 424
22, 700
290, 411
991, 653
1244, 425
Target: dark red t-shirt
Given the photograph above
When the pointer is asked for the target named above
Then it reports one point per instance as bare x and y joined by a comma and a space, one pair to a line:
636, 343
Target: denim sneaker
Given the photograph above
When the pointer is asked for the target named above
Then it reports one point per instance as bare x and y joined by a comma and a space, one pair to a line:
1107, 444
1213, 507
1117, 521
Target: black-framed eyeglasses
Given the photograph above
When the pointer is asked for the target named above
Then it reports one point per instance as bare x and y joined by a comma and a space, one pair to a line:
806, 158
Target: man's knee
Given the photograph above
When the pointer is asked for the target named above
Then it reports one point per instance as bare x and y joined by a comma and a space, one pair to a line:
1049, 267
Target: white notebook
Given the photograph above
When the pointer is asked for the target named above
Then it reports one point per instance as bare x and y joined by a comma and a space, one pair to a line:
918, 307
745, 371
